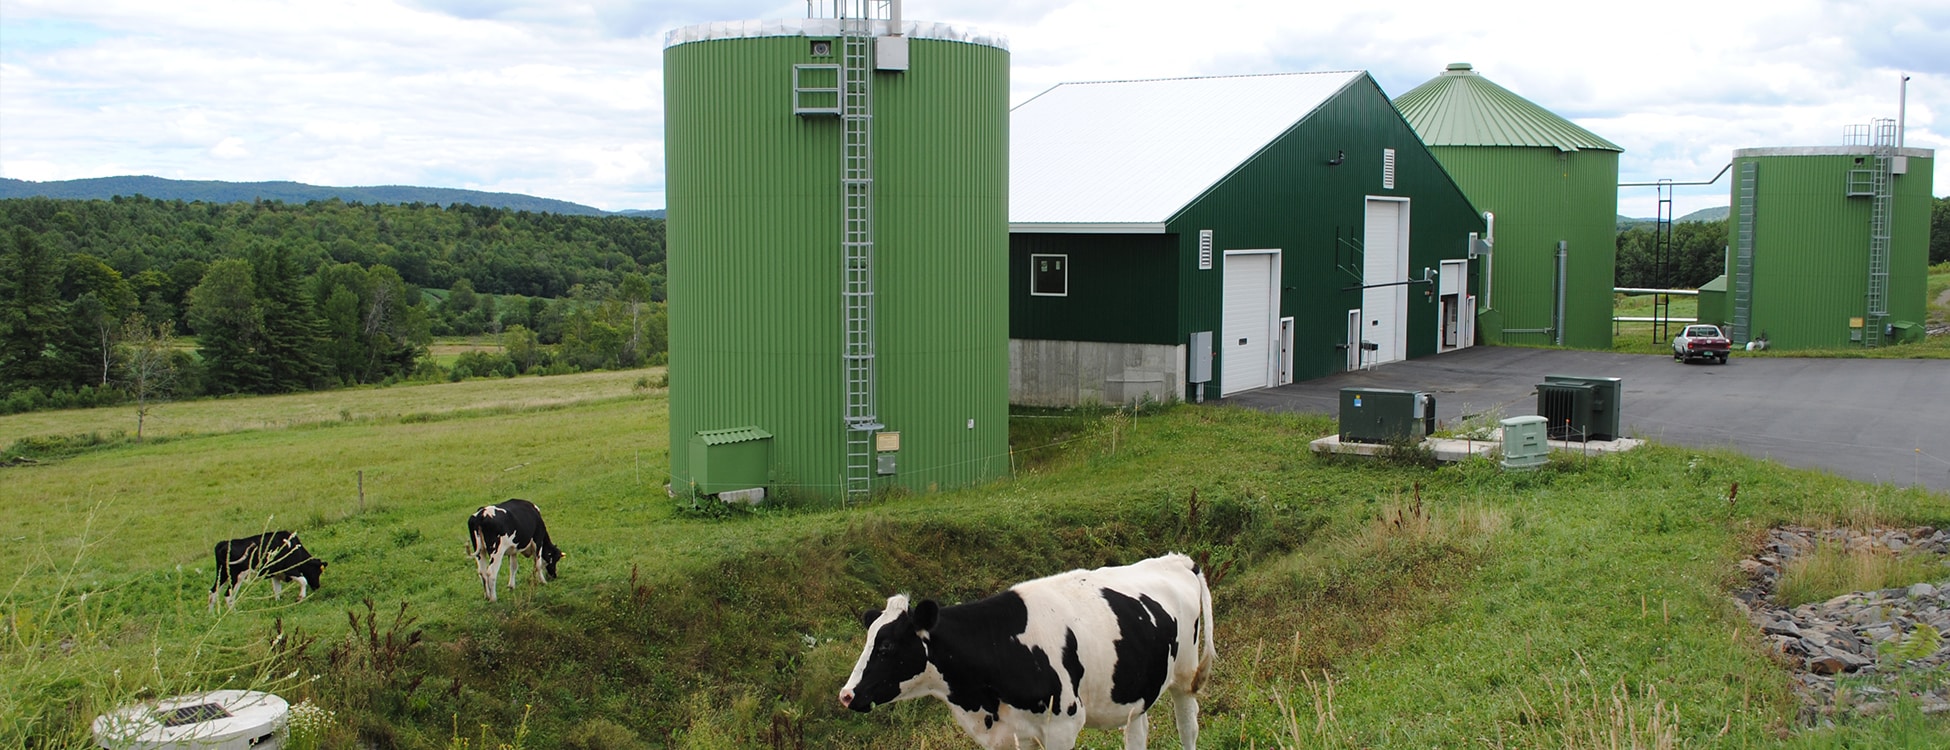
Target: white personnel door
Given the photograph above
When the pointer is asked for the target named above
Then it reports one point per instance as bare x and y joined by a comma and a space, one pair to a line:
1385, 260
1250, 333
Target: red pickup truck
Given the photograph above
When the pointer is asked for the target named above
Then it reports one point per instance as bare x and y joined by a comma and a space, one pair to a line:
1701, 342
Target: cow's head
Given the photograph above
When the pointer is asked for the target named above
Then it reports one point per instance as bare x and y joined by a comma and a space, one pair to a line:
551, 555
896, 654
312, 570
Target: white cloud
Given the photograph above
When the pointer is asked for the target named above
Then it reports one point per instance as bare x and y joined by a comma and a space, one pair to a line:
230, 148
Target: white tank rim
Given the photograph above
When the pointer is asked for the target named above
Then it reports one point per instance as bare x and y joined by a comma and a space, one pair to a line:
253, 714
828, 28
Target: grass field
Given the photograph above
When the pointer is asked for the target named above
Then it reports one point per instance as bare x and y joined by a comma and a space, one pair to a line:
1360, 604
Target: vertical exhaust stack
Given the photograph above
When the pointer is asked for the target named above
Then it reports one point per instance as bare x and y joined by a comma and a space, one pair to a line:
890, 50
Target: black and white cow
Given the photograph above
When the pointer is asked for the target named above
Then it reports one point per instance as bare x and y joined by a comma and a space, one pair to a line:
512, 526
1043, 660
275, 554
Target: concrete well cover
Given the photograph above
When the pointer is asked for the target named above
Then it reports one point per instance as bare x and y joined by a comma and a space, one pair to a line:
216, 720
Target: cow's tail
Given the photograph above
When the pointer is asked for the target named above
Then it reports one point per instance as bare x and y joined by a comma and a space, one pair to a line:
1207, 653
475, 541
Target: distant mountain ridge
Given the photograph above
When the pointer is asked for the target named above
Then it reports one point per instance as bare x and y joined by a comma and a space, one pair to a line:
217, 191
1716, 213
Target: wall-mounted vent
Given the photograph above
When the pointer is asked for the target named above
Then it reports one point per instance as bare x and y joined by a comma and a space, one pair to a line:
1204, 249
1388, 169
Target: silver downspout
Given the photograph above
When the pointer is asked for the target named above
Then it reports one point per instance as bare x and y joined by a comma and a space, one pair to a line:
1489, 268
1559, 322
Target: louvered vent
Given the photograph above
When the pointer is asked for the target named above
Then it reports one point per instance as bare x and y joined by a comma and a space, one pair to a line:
1204, 249
1388, 169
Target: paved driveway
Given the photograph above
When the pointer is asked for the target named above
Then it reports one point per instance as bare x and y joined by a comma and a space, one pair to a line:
1879, 420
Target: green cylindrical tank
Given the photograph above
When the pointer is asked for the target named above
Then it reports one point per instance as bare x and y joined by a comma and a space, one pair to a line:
1550, 184
1802, 216
754, 218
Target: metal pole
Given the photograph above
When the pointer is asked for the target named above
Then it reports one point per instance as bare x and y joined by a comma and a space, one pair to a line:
1902, 110
1561, 283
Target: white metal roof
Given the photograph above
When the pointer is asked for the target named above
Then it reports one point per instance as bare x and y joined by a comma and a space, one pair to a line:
1128, 155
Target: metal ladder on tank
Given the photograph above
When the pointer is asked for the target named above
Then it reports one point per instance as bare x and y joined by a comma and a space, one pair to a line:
856, 242
1877, 297
1662, 263
1746, 189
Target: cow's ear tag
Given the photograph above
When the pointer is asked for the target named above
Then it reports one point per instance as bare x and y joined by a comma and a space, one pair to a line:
322, 564
925, 614
867, 618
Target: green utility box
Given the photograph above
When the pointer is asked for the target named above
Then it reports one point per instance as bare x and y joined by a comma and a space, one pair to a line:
1566, 409
739, 458
1524, 443
1607, 398
1380, 415
1907, 332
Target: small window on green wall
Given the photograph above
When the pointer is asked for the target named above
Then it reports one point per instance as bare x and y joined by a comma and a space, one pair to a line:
1049, 275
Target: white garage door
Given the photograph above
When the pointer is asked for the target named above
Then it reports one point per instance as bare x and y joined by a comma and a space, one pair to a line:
1385, 252
1250, 332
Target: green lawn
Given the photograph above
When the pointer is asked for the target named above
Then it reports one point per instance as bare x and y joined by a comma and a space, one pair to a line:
1388, 604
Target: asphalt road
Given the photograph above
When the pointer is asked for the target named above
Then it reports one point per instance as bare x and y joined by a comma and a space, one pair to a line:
1878, 420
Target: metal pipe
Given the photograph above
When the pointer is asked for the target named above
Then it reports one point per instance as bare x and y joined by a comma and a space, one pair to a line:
1902, 110
894, 18
1646, 290
1489, 266
1716, 178
1561, 283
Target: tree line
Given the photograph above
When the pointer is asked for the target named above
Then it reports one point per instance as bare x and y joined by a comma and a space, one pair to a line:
1699, 251
266, 297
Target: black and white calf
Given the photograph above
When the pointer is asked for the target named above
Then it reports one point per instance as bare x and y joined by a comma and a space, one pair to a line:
1043, 660
275, 554
512, 526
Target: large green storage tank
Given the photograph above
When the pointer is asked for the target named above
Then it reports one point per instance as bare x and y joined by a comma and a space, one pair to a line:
1551, 186
1801, 243
756, 262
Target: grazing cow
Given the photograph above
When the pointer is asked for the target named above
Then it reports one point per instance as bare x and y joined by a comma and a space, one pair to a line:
513, 526
277, 554
1043, 660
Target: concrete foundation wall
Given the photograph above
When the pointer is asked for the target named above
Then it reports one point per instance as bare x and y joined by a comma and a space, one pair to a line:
1073, 373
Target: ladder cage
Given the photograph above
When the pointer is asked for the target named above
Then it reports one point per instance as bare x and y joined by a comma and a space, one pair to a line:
1876, 297
861, 419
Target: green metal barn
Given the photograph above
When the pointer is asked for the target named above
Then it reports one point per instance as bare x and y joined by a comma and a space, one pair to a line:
1829, 246
1193, 238
838, 232
1552, 189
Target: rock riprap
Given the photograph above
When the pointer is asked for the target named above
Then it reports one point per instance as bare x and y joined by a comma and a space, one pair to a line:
1857, 653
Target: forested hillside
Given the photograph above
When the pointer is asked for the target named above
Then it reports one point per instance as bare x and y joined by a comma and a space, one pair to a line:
219, 191
1699, 249
278, 297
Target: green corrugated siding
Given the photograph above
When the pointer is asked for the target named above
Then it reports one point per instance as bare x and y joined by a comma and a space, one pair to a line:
1713, 303
1287, 197
1136, 275
753, 213
1811, 245
1541, 196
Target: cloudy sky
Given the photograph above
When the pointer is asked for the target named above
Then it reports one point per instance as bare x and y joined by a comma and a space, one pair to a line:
563, 98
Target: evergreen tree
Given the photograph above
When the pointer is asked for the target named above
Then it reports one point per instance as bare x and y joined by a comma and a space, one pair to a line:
230, 328
32, 316
294, 336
